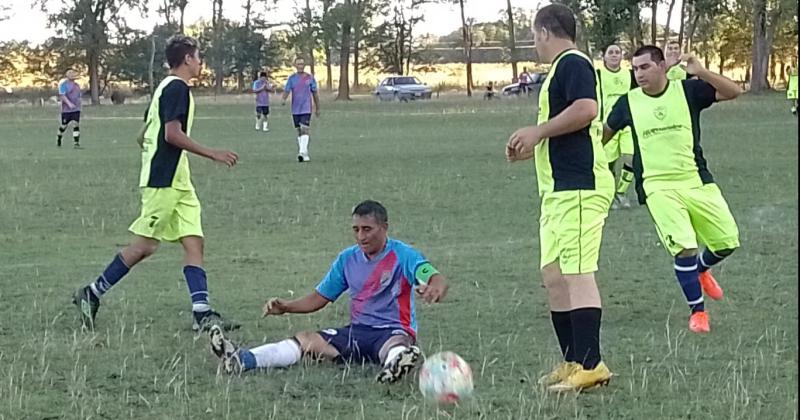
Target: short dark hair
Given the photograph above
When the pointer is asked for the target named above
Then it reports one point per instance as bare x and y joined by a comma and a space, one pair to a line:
69, 69
656, 54
178, 47
613, 44
371, 208
557, 19
674, 42
262, 74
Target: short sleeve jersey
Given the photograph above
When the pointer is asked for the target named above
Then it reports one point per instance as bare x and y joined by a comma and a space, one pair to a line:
72, 91
302, 85
380, 289
262, 97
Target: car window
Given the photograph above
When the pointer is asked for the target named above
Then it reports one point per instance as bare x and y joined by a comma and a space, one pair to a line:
406, 81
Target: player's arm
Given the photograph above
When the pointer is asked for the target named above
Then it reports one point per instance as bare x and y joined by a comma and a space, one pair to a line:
286, 90
726, 88
619, 118
431, 285
62, 95
312, 302
315, 95
140, 135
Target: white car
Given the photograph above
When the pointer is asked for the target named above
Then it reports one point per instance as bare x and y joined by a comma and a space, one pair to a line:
402, 88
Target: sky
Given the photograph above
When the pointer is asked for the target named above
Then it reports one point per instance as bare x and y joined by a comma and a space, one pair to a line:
29, 23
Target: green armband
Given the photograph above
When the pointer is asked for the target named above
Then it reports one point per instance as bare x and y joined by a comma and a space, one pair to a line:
424, 273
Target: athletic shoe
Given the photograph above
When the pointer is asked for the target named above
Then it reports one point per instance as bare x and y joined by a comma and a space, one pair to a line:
560, 373
88, 304
203, 321
698, 323
225, 350
300, 158
583, 379
710, 286
399, 366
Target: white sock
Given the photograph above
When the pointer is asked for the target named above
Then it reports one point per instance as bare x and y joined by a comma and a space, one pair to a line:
299, 147
258, 123
266, 124
200, 307
303, 140
392, 354
281, 354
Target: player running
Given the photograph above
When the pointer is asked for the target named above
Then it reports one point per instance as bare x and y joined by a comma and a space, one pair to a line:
303, 87
791, 90
379, 275
170, 208
672, 177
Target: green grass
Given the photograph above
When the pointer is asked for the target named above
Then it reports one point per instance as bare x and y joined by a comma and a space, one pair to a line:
273, 226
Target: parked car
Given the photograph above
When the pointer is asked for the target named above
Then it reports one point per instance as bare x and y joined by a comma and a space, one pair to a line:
402, 88
536, 82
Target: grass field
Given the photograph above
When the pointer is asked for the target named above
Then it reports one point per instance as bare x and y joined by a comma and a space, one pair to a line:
273, 226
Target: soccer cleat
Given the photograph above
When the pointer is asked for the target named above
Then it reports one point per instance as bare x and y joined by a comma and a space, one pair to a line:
620, 202
225, 350
698, 323
710, 286
88, 304
58, 143
583, 379
300, 158
400, 366
203, 321
76, 146
560, 373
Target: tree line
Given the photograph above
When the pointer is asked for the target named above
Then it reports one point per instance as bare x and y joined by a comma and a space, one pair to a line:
359, 35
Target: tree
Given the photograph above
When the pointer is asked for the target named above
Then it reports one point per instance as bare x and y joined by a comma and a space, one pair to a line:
611, 18
512, 41
87, 24
466, 31
669, 20
218, 56
345, 13
767, 15
653, 24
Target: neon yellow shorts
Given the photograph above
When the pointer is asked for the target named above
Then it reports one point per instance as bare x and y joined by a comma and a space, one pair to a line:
791, 91
168, 215
684, 217
620, 144
571, 229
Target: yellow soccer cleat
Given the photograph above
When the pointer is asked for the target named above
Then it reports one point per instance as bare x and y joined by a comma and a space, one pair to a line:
583, 379
560, 373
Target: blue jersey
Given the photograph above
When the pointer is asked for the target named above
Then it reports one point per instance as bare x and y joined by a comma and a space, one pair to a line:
302, 85
380, 289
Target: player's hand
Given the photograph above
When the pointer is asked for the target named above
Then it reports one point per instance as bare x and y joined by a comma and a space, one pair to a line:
225, 156
434, 291
693, 65
522, 142
283, 102
316, 112
274, 306
513, 156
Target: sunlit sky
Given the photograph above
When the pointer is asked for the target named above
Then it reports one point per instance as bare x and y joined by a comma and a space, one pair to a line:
29, 23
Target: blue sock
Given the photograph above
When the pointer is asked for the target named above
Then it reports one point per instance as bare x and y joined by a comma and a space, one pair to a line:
248, 359
707, 260
686, 272
110, 276
198, 289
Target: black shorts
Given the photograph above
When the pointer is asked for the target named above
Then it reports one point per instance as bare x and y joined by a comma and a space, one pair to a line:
262, 110
66, 117
361, 343
301, 119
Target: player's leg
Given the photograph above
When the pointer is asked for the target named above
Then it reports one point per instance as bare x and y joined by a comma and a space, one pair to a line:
61, 128
147, 230
304, 139
674, 226
716, 228
297, 125
395, 351
76, 130
235, 359
557, 292
626, 173
258, 118
265, 118
581, 219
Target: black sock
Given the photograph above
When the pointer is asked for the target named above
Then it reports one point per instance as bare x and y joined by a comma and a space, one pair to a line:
586, 335
562, 323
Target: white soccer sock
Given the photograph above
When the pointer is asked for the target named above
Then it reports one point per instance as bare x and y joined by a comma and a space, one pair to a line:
281, 354
265, 124
303, 141
258, 123
393, 353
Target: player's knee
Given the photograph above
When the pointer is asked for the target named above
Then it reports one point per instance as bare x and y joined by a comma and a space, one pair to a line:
691, 252
309, 341
303, 130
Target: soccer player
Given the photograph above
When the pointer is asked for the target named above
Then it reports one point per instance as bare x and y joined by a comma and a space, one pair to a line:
69, 95
614, 82
672, 177
524, 81
262, 88
673, 56
791, 91
170, 208
379, 274
303, 87
576, 189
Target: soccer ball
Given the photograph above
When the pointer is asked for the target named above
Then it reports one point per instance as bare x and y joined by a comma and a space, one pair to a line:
445, 378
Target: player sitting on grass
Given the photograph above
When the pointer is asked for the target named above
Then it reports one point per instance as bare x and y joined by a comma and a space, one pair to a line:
379, 273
